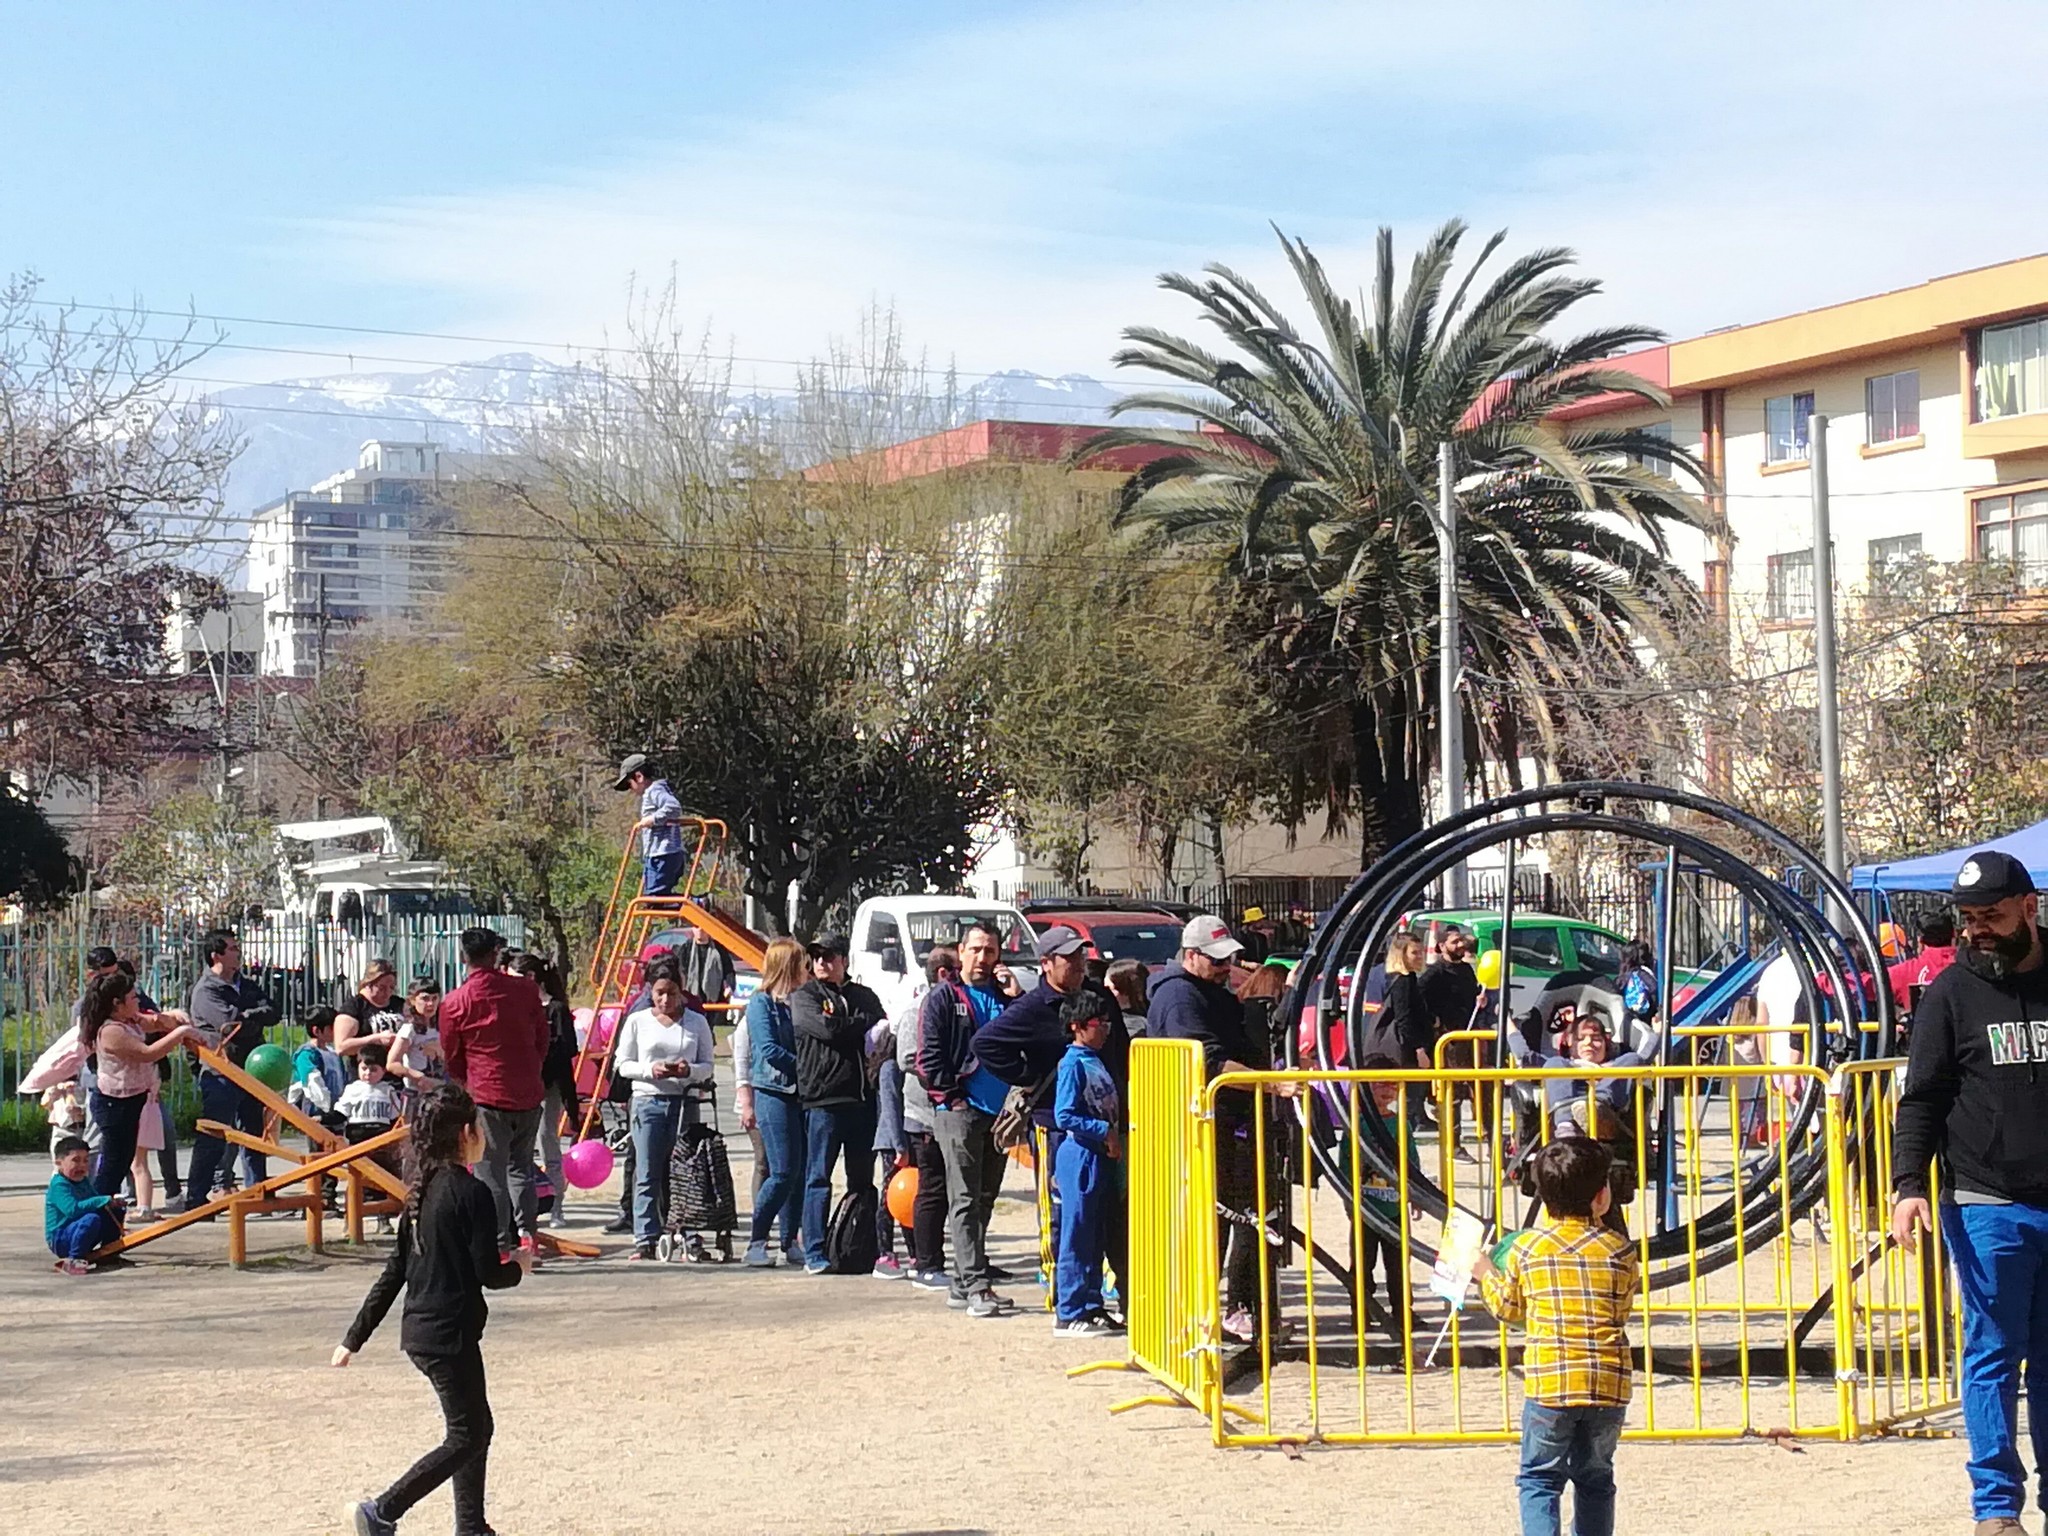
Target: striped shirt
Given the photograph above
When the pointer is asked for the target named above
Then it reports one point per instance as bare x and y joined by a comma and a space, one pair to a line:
1572, 1285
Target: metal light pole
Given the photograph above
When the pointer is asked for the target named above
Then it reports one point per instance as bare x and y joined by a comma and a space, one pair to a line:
1450, 721
1836, 850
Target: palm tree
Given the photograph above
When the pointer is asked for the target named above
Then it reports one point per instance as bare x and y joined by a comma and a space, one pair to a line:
1311, 479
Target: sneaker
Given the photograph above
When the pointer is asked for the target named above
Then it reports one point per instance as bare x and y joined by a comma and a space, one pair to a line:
365, 1521
556, 1220
986, 1303
1093, 1326
620, 1224
694, 1251
643, 1253
1238, 1324
816, 1267
1110, 1322
75, 1267
931, 1280
957, 1300
887, 1268
757, 1256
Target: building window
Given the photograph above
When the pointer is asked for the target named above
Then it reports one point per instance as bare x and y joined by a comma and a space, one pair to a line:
2012, 369
1788, 586
1891, 407
1660, 466
1785, 422
1890, 557
2015, 528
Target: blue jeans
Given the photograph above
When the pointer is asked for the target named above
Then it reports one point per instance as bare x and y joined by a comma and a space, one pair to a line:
834, 1133
2000, 1254
120, 1122
82, 1234
1084, 1180
1568, 1445
781, 1121
222, 1101
660, 873
655, 1122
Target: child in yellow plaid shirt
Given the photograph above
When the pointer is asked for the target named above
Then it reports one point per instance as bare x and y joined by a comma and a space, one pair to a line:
1571, 1283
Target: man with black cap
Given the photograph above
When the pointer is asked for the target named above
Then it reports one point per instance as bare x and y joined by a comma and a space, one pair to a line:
832, 1017
660, 827
1976, 1096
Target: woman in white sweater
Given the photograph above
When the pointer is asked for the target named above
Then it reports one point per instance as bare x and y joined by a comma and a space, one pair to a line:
664, 1050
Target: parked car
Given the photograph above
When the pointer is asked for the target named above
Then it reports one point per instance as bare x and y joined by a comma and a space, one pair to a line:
1115, 930
1552, 960
892, 935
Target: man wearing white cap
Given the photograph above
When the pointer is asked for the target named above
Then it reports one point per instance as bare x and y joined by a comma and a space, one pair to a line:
1191, 1000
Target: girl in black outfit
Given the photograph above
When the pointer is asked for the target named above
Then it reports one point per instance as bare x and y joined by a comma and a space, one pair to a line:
445, 1258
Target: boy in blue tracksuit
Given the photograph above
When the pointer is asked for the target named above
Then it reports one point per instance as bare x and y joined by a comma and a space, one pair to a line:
1085, 1111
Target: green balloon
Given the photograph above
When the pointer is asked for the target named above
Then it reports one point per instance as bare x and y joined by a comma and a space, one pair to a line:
269, 1065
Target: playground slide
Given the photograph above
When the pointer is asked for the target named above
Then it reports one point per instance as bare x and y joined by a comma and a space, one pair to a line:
728, 933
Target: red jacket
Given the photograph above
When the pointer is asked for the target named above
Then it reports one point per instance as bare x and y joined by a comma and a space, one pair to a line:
1919, 970
494, 1034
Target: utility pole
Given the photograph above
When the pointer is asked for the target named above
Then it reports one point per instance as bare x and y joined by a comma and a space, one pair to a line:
1450, 720
1836, 851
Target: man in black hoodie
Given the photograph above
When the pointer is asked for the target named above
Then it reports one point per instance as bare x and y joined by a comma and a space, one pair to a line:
1976, 1097
832, 1017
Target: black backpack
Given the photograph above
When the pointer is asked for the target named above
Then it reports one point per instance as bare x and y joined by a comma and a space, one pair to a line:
850, 1244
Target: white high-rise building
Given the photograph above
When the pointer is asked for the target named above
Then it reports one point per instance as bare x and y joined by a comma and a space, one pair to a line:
371, 544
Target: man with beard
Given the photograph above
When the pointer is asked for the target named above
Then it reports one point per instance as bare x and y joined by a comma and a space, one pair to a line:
1977, 1097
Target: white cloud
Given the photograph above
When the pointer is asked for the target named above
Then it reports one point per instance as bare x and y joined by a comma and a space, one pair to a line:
1014, 186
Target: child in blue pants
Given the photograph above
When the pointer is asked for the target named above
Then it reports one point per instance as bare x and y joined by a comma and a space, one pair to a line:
76, 1217
1085, 1111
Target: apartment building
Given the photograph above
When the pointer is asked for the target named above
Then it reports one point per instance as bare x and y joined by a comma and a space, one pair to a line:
368, 545
1936, 399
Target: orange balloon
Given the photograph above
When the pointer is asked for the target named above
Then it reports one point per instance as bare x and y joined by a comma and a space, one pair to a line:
903, 1196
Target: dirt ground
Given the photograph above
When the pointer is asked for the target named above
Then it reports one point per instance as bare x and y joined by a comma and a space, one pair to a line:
182, 1396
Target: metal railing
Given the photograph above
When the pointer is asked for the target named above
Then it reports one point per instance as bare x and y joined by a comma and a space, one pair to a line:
1768, 1298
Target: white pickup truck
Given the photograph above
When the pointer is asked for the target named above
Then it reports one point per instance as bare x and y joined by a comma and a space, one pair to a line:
892, 935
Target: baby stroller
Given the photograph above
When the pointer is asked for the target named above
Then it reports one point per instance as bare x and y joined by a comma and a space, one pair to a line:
700, 1197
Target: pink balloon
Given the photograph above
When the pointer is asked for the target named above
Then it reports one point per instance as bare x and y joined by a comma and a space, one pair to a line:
587, 1164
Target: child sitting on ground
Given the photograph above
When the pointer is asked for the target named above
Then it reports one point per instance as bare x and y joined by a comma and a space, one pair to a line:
1571, 1283
1085, 1111
319, 1080
76, 1218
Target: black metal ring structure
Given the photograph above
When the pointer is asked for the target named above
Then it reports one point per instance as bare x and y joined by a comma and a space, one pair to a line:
1830, 961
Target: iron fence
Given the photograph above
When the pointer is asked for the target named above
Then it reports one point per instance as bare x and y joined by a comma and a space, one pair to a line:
300, 962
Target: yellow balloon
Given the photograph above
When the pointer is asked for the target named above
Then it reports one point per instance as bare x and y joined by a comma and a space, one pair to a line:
1487, 967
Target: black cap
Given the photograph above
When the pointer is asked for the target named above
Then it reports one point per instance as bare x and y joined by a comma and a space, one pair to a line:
1988, 876
101, 958
829, 944
1060, 940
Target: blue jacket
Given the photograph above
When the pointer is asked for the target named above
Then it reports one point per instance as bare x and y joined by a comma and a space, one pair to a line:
1023, 1045
771, 1044
66, 1202
949, 1040
1085, 1103
1186, 1008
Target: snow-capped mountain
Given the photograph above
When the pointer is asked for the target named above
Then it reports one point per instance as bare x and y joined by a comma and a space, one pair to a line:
299, 431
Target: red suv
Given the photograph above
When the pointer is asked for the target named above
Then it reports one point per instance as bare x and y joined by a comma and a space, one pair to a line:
1113, 931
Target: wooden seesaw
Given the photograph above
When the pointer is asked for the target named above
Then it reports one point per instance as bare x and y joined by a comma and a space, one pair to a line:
327, 1156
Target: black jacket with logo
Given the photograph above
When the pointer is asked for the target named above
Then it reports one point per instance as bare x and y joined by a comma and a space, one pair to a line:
1977, 1087
831, 1041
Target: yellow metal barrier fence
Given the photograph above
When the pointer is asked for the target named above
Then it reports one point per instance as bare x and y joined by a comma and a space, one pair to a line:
1769, 1300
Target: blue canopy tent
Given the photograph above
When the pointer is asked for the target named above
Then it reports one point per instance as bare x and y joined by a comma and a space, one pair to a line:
1937, 871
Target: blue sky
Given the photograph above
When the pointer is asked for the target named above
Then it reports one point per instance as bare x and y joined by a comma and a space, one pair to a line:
1010, 177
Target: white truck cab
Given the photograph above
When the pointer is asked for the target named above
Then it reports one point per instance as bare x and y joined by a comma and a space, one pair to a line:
892, 935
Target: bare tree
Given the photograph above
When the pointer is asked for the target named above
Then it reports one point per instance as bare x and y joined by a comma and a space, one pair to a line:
110, 481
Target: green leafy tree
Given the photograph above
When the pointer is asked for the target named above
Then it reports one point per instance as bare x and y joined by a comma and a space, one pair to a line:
1310, 483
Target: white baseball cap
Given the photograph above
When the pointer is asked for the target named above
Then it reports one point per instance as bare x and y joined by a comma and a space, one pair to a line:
1211, 935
